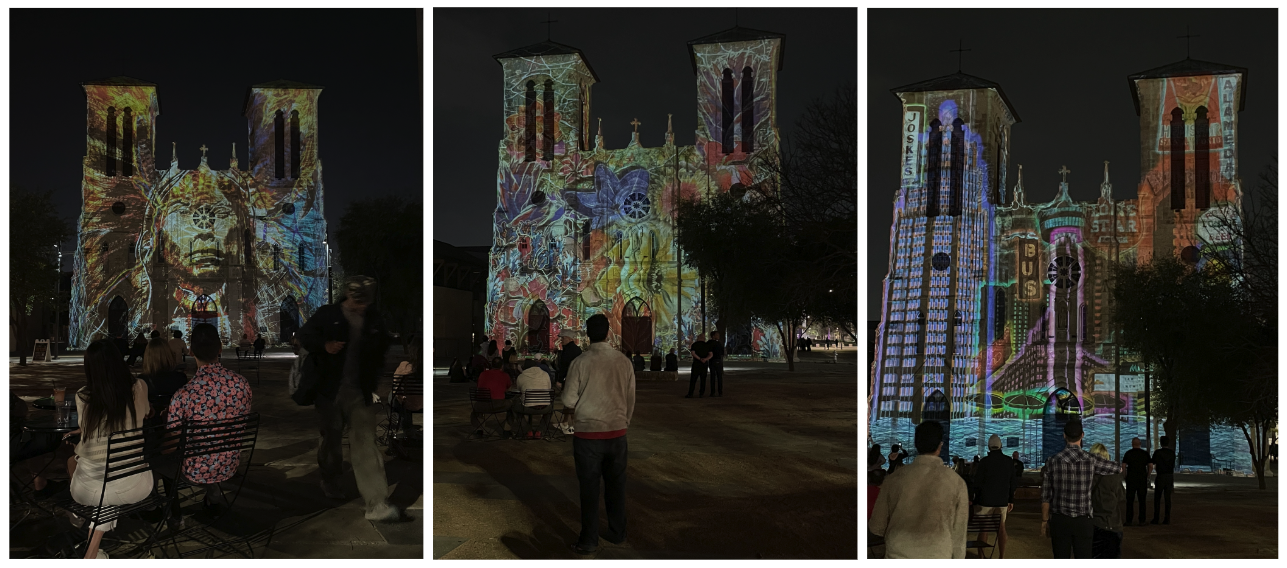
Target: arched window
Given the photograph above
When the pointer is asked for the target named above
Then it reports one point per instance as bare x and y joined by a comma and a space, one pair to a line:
279, 141
294, 144
921, 335
127, 157
1177, 159
109, 159
133, 251
934, 167
726, 112
1201, 160
547, 112
585, 241
955, 197
529, 123
999, 315
277, 257
303, 259
248, 247
748, 110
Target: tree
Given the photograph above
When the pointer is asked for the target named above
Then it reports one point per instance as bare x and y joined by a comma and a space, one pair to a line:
34, 230
383, 238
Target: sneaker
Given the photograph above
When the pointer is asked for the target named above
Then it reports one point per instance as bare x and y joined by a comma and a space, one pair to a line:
332, 490
384, 513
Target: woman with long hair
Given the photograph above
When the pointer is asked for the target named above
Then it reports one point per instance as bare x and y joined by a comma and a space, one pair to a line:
160, 371
112, 400
1106, 494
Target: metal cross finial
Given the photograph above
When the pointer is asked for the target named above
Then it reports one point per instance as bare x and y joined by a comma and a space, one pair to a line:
636, 123
203, 150
548, 21
1065, 171
1187, 36
959, 52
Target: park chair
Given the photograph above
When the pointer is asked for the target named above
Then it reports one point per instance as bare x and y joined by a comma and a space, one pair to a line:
206, 437
129, 452
484, 413
398, 428
524, 413
983, 524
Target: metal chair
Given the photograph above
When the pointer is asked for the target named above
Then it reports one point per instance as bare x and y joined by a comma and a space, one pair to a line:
483, 413
534, 402
982, 524
206, 437
399, 426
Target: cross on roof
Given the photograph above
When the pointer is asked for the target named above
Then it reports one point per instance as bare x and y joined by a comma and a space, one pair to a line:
548, 21
636, 123
1065, 171
1187, 36
959, 53
203, 150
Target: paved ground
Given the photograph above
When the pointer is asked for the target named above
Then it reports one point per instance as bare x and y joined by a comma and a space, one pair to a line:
281, 507
1212, 517
767, 471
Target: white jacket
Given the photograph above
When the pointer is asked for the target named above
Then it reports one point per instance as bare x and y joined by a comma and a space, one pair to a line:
601, 387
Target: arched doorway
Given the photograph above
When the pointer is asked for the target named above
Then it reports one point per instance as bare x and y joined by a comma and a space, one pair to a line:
204, 310
938, 409
636, 326
117, 314
538, 328
288, 320
1061, 406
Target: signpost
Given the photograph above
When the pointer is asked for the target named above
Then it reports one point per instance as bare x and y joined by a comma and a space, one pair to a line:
41, 351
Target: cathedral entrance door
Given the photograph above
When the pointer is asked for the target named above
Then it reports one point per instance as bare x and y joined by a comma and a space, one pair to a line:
288, 321
538, 328
204, 310
636, 327
117, 314
937, 408
1061, 406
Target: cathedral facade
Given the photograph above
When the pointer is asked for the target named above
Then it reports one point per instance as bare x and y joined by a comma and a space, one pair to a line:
166, 248
580, 229
997, 308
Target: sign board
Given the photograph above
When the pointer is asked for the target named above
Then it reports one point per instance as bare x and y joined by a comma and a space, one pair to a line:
911, 146
1130, 383
41, 351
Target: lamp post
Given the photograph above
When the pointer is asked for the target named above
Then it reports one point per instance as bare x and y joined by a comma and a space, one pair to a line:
58, 285
328, 271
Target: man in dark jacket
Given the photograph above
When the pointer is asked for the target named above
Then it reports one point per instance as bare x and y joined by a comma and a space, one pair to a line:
1138, 466
716, 364
994, 485
1164, 464
347, 342
569, 352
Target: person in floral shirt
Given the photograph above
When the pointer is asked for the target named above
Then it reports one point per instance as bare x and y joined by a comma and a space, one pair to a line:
214, 393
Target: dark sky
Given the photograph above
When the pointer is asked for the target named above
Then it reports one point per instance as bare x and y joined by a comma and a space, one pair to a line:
641, 57
203, 61
1065, 73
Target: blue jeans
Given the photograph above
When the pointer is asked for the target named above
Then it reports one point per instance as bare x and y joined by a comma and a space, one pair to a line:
601, 459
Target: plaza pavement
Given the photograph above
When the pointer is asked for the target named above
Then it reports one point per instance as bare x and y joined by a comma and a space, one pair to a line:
767, 471
281, 507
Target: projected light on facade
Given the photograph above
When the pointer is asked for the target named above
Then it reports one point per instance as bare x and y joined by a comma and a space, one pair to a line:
168, 248
996, 314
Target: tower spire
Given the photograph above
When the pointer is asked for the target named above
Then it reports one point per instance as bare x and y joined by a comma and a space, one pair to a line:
670, 132
1018, 190
598, 138
232, 163
174, 154
1106, 188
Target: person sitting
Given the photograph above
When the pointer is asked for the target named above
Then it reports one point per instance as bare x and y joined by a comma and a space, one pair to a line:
34, 445
259, 345
496, 381
136, 350
638, 362
672, 361
531, 378
244, 346
456, 373
112, 400
160, 372
654, 362
477, 364
512, 367
179, 347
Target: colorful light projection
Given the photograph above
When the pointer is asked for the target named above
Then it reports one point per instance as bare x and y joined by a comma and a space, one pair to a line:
1035, 341
168, 249
582, 230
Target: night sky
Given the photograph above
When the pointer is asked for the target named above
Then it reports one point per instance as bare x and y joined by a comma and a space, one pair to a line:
641, 57
203, 61
1065, 73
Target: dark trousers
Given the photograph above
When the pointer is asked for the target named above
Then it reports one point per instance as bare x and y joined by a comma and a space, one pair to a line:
1108, 544
1136, 491
717, 378
1164, 485
1071, 537
601, 459
692, 380
166, 466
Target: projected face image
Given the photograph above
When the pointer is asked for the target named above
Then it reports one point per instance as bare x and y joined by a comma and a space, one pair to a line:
200, 228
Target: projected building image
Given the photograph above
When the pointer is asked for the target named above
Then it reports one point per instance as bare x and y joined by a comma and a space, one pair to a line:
997, 307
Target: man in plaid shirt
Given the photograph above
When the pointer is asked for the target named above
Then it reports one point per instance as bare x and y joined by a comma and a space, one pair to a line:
1066, 482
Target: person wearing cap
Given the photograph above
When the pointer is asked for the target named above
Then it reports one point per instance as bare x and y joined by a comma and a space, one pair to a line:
994, 485
1066, 484
348, 340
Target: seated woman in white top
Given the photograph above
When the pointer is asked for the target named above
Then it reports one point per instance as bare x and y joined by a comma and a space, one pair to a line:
112, 401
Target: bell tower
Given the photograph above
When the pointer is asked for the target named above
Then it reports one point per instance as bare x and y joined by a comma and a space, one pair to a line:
547, 102
737, 72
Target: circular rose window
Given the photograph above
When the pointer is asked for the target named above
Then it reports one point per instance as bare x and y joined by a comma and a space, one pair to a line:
118, 207
1065, 272
636, 206
941, 261
204, 217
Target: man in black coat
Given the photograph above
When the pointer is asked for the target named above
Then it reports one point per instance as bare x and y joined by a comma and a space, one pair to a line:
1138, 466
346, 342
994, 485
569, 352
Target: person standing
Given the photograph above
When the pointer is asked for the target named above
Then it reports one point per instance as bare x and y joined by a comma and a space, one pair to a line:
923, 511
716, 364
1138, 467
567, 355
875, 459
1164, 463
509, 351
701, 353
896, 455
1105, 496
1018, 464
137, 348
349, 341
601, 388
994, 485
1066, 485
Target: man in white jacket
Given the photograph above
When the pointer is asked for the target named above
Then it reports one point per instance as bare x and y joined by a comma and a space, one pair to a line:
601, 388
923, 508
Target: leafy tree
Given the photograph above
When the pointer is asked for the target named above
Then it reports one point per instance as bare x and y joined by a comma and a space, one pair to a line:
383, 238
34, 229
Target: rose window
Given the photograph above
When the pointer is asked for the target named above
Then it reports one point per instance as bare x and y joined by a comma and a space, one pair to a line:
636, 206
941, 261
1065, 272
204, 217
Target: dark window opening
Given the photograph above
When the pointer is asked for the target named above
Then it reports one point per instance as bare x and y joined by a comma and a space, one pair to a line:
547, 130
277, 257
955, 197
529, 123
118, 208
133, 254
1177, 159
748, 111
999, 315
303, 259
1201, 160
920, 333
279, 139
580, 118
585, 241
726, 112
294, 144
110, 157
934, 167
247, 243
127, 157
